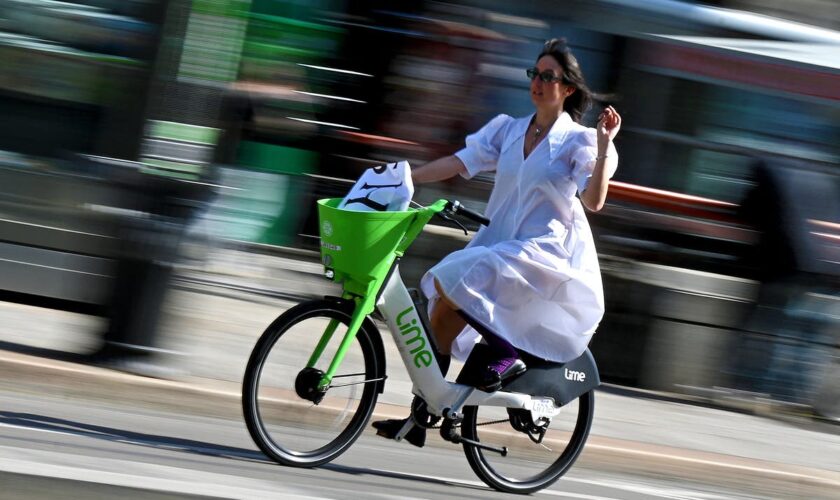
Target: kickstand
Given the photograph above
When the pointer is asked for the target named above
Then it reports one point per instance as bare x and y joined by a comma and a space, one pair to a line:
449, 433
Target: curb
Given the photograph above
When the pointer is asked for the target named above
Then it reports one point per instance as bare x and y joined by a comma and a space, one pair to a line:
214, 398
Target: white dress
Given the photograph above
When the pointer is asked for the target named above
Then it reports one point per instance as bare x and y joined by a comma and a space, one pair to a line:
532, 275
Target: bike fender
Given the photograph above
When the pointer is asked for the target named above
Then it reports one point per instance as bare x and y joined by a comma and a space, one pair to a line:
372, 332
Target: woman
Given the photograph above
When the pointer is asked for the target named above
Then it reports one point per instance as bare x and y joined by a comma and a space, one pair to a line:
530, 280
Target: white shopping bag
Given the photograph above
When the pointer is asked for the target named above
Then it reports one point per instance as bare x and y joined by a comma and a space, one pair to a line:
386, 187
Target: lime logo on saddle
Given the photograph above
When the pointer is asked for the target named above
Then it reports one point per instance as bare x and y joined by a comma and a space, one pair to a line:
409, 330
574, 375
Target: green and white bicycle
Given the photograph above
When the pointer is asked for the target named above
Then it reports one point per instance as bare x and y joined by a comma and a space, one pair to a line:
315, 374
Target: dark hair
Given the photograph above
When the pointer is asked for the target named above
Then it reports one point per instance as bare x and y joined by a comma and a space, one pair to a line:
579, 102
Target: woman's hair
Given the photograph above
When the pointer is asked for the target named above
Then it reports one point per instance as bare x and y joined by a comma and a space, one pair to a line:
579, 102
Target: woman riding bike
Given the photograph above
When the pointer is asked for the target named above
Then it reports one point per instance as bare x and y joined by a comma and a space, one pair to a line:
530, 280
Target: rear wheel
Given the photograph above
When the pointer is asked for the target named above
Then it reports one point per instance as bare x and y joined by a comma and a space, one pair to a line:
287, 416
528, 466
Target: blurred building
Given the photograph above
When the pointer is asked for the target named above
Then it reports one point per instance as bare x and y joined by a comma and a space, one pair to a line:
277, 103
812, 12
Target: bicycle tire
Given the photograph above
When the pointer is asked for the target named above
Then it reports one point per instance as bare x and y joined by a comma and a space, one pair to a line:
487, 472
291, 402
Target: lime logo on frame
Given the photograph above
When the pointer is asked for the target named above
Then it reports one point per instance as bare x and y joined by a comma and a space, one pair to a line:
410, 330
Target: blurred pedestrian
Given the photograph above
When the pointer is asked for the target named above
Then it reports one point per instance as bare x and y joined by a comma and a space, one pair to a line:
149, 243
782, 346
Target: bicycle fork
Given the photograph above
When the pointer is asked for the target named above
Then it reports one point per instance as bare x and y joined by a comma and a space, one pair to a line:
364, 306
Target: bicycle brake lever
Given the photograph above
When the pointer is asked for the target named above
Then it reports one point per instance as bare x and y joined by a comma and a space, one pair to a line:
463, 228
454, 221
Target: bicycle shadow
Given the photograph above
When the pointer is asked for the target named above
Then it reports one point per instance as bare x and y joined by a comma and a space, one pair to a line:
115, 435
404, 476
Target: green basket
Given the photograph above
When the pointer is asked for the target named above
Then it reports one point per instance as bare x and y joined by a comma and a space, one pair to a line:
359, 247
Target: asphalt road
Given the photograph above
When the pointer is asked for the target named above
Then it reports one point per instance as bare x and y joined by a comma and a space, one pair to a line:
68, 430
53, 447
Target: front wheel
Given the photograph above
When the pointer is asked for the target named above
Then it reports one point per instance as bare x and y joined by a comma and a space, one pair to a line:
528, 466
288, 418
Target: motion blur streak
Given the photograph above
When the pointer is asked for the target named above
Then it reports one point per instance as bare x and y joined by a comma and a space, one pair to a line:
160, 163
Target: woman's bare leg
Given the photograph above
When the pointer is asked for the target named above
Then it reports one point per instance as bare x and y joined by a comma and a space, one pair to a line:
446, 322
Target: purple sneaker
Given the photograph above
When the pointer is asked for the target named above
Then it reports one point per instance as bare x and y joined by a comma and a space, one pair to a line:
498, 371
504, 362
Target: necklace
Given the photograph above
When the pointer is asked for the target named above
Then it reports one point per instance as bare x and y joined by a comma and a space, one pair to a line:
537, 133
538, 130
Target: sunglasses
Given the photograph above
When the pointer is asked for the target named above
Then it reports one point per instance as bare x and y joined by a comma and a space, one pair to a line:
546, 76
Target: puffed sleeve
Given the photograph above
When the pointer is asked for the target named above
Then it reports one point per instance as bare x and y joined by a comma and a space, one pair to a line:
583, 159
483, 147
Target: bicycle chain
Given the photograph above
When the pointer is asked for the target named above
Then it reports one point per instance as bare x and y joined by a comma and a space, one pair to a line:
418, 406
492, 422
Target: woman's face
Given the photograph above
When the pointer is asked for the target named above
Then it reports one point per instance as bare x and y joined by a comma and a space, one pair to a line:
549, 94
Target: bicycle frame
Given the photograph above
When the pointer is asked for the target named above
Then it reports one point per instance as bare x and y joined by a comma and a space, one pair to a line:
388, 293
442, 397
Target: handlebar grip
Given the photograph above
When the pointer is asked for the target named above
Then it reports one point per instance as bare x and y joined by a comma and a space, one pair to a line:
469, 214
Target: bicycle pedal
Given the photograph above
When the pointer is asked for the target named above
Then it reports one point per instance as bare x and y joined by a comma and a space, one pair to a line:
415, 435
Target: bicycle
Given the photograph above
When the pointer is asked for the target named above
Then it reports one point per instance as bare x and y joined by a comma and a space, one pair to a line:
291, 392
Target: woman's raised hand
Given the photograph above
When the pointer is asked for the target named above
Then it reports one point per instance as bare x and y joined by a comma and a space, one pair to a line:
609, 122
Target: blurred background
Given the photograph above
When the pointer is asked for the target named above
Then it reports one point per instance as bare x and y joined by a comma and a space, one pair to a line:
146, 145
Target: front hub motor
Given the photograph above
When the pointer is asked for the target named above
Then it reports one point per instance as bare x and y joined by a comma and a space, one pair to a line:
306, 385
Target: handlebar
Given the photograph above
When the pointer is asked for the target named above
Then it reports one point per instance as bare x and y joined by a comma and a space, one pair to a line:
456, 208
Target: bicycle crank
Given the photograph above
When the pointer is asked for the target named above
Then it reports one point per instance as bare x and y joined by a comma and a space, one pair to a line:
420, 413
